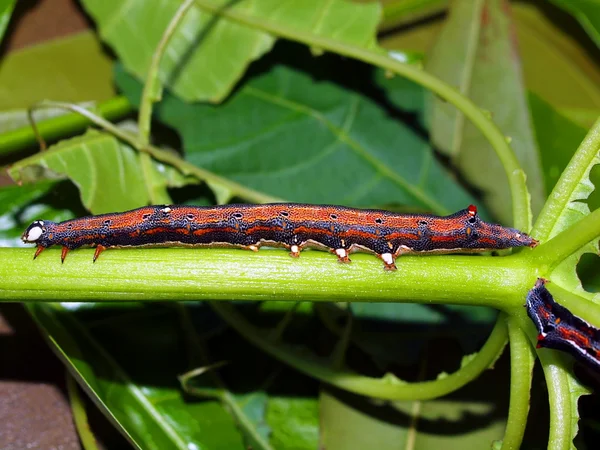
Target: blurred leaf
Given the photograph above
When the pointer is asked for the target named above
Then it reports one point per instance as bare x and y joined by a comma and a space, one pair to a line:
208, 55
287, 135
247, 409
19, 206
404, 12
475, 52
351, 427
295, 422
130, 372
47, 71
550, 58
392, 333
106, 171
349, 423
557, 138
6, 9
587, 12
14, 196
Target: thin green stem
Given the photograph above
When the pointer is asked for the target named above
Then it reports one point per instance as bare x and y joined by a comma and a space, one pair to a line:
80, 417
565, 190
64, 125
164, 156
90, 115
491, 132
388, 387
153, 86
522, 359
569, 241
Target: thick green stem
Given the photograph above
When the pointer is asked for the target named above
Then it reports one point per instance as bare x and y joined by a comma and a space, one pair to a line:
522, 360
559, 396
492, 133
566, 243
227, 274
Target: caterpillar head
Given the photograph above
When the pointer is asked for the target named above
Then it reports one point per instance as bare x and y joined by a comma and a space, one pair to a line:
34, 232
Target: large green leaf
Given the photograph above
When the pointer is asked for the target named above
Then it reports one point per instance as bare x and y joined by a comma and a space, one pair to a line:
295, 422
131, 373
45, 71
354, 424
18, 209
550, 58
587, 12
208, 55
287, 135
476, 53
557, 138
107, 172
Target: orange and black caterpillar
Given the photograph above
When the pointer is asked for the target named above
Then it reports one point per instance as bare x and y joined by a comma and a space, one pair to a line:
294, 226
559, 329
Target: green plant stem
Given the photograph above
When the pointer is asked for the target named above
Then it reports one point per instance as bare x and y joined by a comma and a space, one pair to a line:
80, 415
563, 193
557, 249
165, 156
60, 126
559, 396
389, 388
492, 133
153, 86
522, 360
226, 274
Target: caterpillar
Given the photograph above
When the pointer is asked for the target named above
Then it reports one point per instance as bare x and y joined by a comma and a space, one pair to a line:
559, 329
340, 230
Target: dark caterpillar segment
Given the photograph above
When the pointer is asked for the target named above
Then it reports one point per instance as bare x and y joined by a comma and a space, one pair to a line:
294, 226
559, 329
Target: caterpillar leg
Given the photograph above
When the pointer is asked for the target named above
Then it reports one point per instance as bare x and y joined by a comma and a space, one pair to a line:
388, 261
99, 249
295, 251
342, 255
63, 254
38, 250
253, 247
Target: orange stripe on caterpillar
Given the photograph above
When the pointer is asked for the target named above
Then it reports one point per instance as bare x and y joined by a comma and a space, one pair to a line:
294, 226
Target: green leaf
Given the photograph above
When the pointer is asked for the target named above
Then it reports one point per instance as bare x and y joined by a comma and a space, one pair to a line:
208, 55
355, 424
111, 362
46, 71
476, 54
106, 171
550, 57
556, 137
247, 409
568, 205
18, 210
6, 9
587, 12
13, 197
285, 134
395, 333
295, 422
